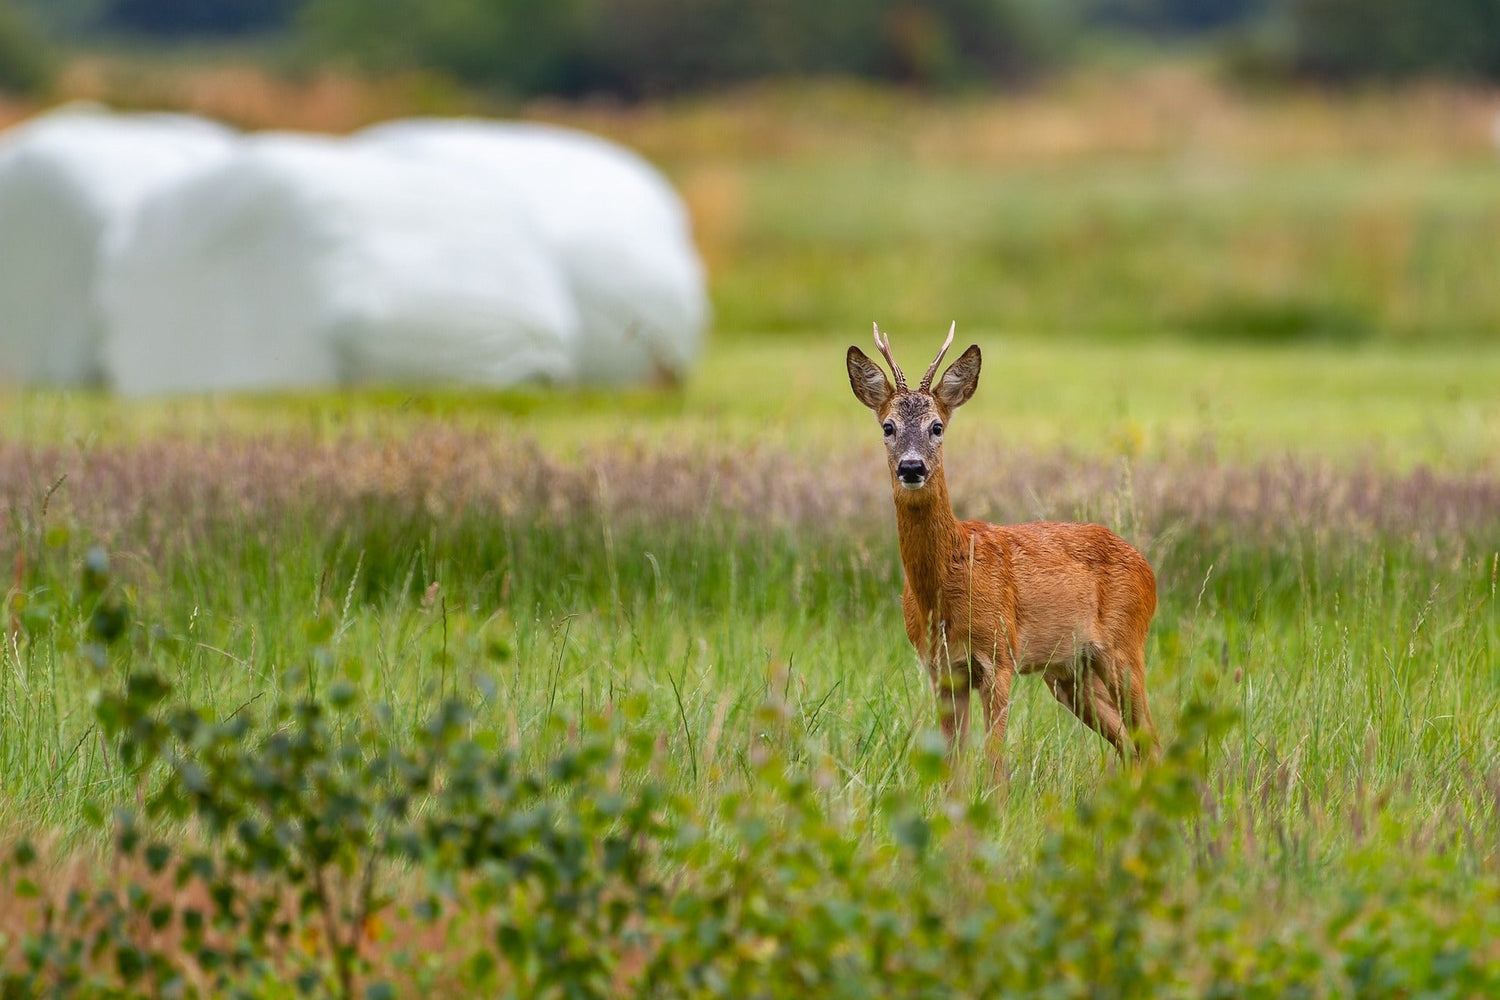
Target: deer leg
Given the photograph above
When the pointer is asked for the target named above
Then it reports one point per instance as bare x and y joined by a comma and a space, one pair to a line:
1111, 723
1124, 675
952, 689
1085, 694
996, 693
1130, 692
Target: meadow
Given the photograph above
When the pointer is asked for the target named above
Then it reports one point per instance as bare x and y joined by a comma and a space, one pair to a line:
613, 697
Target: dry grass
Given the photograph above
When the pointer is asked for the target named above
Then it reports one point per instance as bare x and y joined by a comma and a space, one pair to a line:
167, 491
1172, 110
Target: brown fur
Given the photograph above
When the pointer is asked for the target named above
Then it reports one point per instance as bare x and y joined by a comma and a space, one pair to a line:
983, 602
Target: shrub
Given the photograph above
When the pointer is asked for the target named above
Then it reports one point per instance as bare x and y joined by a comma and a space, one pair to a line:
583, 877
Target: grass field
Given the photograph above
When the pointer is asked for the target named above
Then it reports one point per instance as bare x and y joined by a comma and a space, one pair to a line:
1389, 406
704, 582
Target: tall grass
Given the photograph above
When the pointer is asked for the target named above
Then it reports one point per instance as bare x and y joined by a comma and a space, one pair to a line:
737, 611
1350, 618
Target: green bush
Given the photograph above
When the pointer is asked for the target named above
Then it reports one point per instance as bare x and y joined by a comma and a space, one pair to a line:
311, 842
585, 877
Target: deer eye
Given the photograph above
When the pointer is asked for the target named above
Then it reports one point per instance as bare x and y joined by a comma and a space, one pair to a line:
889, 428
937, 429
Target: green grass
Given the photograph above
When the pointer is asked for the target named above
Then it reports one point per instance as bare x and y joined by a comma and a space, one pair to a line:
1354, 654
1363, 675
1276, 375
1209, 248
1392, 406
1330, 634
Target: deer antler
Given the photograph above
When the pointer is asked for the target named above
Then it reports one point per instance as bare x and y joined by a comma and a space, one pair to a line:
932, 369
885, 348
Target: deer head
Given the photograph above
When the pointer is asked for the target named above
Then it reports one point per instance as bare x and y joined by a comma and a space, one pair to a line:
913, 421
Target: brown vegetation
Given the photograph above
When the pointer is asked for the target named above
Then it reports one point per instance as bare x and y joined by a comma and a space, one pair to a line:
169, 491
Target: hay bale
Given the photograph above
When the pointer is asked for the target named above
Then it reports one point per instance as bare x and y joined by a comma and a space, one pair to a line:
305, 261
68, 181
618, 229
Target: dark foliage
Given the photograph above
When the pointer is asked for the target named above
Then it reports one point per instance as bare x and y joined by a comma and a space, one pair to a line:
642, 47
1177, 17
178, 18
1350, 39
25, 60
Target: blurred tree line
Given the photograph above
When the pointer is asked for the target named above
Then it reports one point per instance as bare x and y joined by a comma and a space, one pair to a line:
643, 47
1343, 39
26, 61
178, 18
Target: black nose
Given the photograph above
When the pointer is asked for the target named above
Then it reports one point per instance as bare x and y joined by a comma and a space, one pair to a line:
911, 469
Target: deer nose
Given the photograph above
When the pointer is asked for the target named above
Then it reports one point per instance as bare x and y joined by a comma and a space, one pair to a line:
911, 470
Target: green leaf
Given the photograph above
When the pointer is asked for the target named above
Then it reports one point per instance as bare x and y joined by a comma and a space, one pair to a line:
342, 694
108, 622
127, 833
481, 965
912, 831
157, 856
129, 962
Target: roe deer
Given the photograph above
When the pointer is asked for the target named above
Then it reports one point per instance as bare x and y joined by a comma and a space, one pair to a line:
984, 602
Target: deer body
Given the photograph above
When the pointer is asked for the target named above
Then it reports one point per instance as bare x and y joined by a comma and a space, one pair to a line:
984, 602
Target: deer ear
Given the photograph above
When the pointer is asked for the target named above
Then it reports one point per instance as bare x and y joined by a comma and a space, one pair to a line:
960, 380
868, 381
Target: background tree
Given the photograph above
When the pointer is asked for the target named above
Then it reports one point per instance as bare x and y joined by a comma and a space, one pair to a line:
643, 47
1176, 17
26, 59
197, 17
1346, 39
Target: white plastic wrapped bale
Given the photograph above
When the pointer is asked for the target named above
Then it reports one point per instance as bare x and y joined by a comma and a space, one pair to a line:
68, 180
619, 229
305, 261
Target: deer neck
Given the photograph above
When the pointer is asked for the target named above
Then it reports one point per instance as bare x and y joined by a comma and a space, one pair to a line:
929, 534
